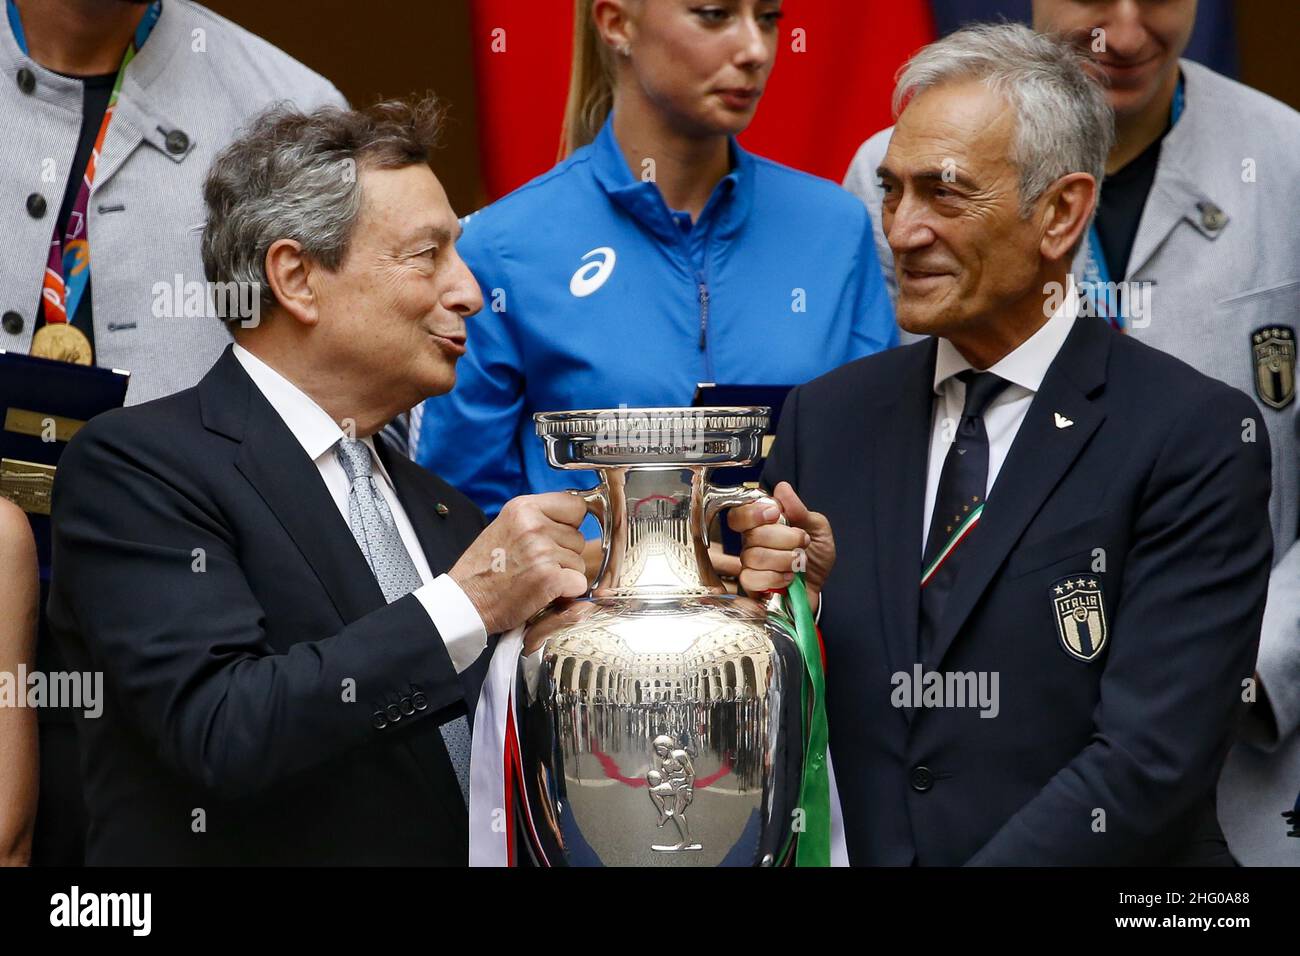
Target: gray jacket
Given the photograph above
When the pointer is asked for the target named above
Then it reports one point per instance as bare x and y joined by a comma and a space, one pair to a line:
197, 79
1223, 253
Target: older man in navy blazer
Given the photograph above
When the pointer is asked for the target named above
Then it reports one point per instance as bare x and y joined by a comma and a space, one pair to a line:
1051, 542
287, 611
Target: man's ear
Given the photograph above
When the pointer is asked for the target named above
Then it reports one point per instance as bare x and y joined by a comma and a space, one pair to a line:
288, 270
1068, 205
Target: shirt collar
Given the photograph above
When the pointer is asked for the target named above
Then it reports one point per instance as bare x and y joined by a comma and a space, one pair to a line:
728, 203
310, 424
1027, 364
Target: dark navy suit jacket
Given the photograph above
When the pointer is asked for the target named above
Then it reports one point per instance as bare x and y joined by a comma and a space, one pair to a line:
226, 679
1157, 490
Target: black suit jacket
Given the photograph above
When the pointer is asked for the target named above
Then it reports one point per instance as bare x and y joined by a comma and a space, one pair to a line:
264, 703
1156, 488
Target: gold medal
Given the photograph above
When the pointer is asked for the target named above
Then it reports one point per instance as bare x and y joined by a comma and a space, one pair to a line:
63, 343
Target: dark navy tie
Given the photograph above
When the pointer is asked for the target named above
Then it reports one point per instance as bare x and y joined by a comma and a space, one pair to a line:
958, 502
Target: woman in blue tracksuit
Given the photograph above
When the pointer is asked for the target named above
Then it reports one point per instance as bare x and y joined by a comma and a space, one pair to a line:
658, 255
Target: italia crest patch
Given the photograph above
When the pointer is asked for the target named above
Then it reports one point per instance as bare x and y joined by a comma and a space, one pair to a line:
1080, 615
1273, 351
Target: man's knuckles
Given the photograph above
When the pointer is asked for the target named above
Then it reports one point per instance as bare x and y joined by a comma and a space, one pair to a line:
767, 559
753, 581
561, 506
777, 537
743, 518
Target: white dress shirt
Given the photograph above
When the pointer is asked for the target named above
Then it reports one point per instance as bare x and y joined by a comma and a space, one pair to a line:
1024, 368
452, 613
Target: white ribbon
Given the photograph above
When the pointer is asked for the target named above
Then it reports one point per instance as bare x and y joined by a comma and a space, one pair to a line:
488, 826
839, 849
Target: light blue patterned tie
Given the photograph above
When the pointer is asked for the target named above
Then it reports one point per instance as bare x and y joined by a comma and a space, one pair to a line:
381, 543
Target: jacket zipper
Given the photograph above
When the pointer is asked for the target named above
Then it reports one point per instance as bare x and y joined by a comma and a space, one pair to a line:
702, 294
704, 313
702, 288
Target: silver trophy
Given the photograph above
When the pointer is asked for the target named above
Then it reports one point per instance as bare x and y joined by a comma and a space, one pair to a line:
659, 717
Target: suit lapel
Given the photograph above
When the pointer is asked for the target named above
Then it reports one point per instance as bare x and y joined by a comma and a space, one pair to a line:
416, 492
1175, 195
1171, 201
902, 449
145, 111
273, 462
1040, 456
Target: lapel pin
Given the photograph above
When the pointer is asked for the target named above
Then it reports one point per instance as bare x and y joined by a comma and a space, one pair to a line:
1062, 421
1212, 217
442, 509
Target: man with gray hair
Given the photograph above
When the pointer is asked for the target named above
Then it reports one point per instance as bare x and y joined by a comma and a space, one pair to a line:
288, 614
1194, 251
1024, 500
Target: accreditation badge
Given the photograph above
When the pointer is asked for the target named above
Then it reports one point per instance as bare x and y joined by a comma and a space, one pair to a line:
1080, 615
1273, 349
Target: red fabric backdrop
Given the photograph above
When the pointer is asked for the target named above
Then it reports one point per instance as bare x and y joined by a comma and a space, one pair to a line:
820, 103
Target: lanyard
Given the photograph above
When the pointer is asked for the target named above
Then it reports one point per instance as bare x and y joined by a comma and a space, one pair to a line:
67, 270
1096, 272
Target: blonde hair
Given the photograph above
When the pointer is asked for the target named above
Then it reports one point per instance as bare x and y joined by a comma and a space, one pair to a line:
591, 83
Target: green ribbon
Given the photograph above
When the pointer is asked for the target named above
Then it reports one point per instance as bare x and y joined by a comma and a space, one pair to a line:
814, 844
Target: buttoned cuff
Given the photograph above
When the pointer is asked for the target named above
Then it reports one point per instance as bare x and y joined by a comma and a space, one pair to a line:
456, 619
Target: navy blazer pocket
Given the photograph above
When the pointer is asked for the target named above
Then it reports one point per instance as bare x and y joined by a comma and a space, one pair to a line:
1074, 545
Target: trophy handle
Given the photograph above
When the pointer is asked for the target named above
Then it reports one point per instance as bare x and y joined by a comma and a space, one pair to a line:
717, 497
597, 503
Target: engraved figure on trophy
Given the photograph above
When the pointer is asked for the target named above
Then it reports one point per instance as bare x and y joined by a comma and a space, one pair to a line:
672, 787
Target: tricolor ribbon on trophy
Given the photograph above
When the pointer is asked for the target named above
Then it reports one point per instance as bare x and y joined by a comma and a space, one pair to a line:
814, 846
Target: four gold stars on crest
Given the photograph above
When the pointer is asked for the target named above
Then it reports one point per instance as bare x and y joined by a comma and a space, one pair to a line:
1071, 585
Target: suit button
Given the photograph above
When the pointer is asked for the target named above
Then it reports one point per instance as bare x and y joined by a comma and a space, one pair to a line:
379, 720
408, 707
12, 322
922, 779
420, 701
394, 713
26, 80
177, 142
36, 205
